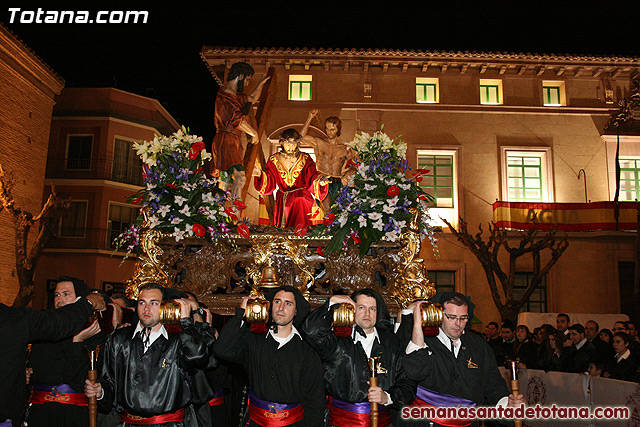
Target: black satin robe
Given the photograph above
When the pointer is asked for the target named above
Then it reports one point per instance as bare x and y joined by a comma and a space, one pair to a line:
20, 325
290, 374
154, 382
346, 367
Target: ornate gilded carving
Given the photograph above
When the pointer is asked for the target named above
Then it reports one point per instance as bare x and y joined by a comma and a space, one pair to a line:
150, 266
410, 281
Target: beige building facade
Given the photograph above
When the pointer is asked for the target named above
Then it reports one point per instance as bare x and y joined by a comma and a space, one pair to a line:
468, 117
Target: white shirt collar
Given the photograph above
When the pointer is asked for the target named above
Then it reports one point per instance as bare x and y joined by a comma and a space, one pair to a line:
581, 343
154, 335
444, 339
623, 356
367, 342
282, 341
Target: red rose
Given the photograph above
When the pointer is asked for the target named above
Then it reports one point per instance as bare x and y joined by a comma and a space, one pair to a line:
329, 219
171, 186
198, 145
393, 191
243, 230
422, 171
421, 197
229, 211
137, 200
197, 170
198, 230
419, 178
193, 153
300, 230
355, 238
240, 205
320, 251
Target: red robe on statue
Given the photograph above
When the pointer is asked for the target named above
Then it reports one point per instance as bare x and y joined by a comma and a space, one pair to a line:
297, 187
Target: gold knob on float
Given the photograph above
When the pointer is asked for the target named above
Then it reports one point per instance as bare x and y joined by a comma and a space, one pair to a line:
431, 314
169, 313
257, 311
343, 316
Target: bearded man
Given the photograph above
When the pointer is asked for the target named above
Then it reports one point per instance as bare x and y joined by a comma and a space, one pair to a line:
298, 181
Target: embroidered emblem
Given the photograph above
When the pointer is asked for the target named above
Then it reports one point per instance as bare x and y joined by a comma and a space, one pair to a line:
164, 363
471, 365
274, 413
381, 370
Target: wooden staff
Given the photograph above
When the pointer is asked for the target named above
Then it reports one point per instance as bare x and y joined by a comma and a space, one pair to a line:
374, 362
515, 386
93, 401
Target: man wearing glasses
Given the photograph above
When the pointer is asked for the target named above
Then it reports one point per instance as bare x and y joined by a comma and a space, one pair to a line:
454, 368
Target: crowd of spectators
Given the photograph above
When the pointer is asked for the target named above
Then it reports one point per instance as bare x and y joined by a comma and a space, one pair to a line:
569, 347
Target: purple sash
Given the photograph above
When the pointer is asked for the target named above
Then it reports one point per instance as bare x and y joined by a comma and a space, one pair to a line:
441, 400
358, 408
54, 390
268, 406
6, 424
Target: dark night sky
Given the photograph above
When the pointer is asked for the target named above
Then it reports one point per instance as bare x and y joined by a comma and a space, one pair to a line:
161, 59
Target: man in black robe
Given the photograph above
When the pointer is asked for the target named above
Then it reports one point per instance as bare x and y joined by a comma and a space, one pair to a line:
21, 325
145, 370
345, 361
285, 374
454, 368
60, 368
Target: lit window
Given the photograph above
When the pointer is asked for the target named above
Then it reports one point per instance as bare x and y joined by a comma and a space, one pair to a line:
490, 91
79, 151
427, 90
538, 301
441, 182
121, 217
73, 222
553, 94
300, 87
127, 165
526, 175
444, 281
629, 179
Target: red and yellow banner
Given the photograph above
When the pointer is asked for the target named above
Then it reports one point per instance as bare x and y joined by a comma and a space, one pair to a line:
566, 216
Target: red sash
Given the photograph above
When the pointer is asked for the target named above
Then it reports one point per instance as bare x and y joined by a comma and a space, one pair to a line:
449, 422
39, 397
345, 414
218, 398
158, 419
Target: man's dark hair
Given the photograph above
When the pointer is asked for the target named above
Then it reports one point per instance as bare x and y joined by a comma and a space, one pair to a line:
566, 316
455, 300
336, 121
599, 364
596, 323
150, 286
239, 68
494, 324
577, 327
128, 302
508, 324
288, 134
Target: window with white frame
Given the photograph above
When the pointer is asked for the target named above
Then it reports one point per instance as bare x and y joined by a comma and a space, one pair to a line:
553, 93
537, 302
491, 91
79, 151
74, 221
300, 87
121, 217
427, 90
441, 182
526, 175
629, 179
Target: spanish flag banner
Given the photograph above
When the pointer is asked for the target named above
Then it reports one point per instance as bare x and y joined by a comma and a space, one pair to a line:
566, 216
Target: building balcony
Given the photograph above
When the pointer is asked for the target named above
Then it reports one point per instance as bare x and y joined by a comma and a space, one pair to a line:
595, 216
106, 169
83, 239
